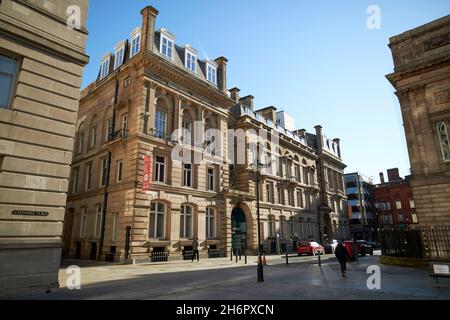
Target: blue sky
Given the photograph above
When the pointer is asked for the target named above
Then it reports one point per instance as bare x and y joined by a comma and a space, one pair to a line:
315, 59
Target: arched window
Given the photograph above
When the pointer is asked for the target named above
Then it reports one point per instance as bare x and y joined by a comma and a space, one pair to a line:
268, 161
211, 135
297, 169
291, 228
288, 165
187, 129
443, 140
186, 222
160, 120
80, 138
283, 227
271, 225
210, 223
156, 225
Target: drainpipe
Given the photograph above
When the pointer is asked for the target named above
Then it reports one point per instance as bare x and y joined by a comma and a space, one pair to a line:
108, 171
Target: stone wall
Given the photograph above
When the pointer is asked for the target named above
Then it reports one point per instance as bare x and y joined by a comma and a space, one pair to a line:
36, 139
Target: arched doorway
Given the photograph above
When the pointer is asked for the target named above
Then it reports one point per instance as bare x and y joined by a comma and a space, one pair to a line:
238, 230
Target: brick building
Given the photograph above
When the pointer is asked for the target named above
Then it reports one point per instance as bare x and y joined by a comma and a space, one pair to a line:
134, 191
42, 58
422, 80
393, 200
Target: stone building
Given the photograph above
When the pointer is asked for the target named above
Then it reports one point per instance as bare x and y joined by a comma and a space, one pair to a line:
42, 56
394, 201
422, 80
146, 90
138, 189
301, 189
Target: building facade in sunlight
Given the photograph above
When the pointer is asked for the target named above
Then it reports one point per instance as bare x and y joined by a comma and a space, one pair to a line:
153, 166
42, 57
422, 80
393, 201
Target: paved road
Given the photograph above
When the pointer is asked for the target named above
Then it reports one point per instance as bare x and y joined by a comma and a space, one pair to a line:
221, 279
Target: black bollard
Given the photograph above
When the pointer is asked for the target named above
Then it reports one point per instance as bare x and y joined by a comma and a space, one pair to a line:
287, 258
236, 254
240, 255
320, 261
231, 255
245, 256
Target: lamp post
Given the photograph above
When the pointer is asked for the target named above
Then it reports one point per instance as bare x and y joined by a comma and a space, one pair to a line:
257, 171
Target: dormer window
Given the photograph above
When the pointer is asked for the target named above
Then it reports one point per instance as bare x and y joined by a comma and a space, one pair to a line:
120, 54
211, 73
191, 61
190, 58
135, 42
167, 47
104, 69
166, 44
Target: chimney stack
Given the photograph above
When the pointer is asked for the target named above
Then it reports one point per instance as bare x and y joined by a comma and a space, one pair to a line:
319, 138
247, 101
222, 73
234, 94
149, 15
269, 113
381, 177
300, 132
338, 144
393, 175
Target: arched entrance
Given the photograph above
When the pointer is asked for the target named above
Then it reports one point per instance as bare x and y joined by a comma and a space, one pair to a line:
238, 229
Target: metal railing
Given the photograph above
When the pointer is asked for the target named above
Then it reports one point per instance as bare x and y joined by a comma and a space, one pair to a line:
214, 253
188, 254
161, 256
429, 243
436, 243
159, 134
119, 134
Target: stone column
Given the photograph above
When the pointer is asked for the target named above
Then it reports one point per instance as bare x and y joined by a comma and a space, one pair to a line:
178, 116
410, 130
175, 221
201, 225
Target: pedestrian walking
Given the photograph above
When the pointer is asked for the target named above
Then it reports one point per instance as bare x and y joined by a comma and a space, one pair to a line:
195, 249
342, 256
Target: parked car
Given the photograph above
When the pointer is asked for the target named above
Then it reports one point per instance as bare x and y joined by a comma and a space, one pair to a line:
364, 248
375, 245
309, 247
331, 246
328, 248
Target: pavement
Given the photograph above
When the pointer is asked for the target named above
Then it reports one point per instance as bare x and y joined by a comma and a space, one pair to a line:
222, 279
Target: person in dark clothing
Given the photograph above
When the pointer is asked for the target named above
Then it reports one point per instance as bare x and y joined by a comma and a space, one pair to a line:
342, 256
195, 250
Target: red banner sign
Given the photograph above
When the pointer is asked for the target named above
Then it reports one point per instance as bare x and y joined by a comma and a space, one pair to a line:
147, 177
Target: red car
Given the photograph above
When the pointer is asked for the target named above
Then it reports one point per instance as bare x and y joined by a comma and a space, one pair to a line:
309, 247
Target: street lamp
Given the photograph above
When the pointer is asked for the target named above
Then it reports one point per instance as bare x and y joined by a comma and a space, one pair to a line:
256, 169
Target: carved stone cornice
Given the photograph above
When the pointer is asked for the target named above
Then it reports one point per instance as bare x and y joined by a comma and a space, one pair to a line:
172, 74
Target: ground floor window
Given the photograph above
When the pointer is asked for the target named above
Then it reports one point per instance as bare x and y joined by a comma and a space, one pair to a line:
115, 226
156, 225
210, 223
186, 222
271, 225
